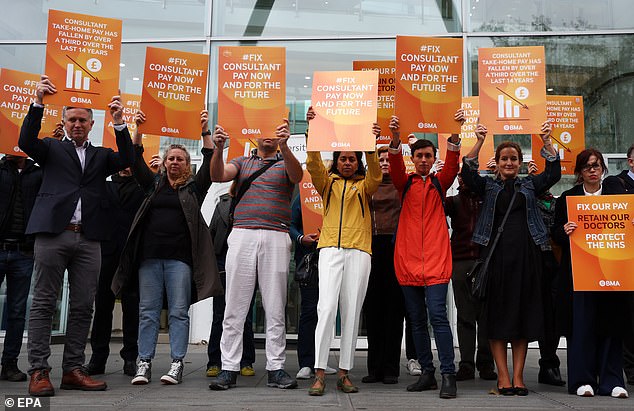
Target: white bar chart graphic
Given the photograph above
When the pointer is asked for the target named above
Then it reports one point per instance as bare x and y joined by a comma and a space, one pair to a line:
75, 78
506, 108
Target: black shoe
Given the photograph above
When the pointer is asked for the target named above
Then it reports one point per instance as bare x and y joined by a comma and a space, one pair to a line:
11, 372
448, 388
95, 369
224, 380
370, 379
465, 373
390, 379
425, 382
129, 368
521, 391
550, 376
488, 374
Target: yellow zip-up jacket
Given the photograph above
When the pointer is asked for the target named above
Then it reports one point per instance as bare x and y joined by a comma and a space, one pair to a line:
347, 218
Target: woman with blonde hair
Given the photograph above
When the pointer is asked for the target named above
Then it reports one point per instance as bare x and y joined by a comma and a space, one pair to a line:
170, 247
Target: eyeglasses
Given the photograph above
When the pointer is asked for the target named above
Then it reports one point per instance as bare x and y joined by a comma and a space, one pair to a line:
593, 166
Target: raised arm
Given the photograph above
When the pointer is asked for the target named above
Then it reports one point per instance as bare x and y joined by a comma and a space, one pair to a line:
395, 156
374, 176
219, 171
203, 175
292, 165
28, 141
141, 172
469, 174
552, 170
125, 156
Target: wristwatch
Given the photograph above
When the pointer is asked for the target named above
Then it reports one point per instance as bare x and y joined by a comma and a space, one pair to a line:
205, 133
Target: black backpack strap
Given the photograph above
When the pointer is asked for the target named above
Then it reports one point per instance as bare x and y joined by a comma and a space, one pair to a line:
434, 181
245, 186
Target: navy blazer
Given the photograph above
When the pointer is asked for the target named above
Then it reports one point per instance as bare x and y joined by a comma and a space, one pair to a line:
64, 182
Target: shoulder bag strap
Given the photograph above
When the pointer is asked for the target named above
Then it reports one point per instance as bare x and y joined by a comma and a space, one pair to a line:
245, 186
501, 227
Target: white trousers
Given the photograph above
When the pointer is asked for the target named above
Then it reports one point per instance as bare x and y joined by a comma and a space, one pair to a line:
343, 279
263, 255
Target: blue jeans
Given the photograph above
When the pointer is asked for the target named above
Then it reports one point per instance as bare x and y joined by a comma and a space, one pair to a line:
175, 276
433, 298
17, 268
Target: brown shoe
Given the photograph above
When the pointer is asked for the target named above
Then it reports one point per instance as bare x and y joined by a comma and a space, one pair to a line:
78, 379
40, 385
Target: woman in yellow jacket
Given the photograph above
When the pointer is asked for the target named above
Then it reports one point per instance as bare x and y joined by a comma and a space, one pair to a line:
345, 245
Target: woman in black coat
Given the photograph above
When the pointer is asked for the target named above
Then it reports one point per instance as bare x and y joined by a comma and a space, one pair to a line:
591, 321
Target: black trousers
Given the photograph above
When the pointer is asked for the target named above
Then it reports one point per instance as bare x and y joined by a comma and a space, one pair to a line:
471, 322
548, 345
102, 322
593, 359
628, 347
384, 311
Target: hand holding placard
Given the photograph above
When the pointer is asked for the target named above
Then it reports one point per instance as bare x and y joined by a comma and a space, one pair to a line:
44, 86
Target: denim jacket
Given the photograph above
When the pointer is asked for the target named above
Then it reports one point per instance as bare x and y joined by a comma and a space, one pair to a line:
531, 187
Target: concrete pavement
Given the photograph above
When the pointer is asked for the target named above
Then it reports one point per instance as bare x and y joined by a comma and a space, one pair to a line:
253, 394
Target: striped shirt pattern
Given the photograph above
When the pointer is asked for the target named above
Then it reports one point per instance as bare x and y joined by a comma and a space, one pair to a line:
266, 204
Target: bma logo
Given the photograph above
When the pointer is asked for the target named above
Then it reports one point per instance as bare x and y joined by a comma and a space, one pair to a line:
609, 283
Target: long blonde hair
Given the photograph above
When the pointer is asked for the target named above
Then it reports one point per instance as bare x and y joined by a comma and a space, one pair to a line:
187, 173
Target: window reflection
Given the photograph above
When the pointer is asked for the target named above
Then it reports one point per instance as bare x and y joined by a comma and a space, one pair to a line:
548, 15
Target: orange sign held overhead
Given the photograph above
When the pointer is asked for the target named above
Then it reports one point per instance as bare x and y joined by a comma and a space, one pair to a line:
512, 84
16, 95
468, 138
602, 245
428, 84
385, 99
312, 206
251, 90
174, 88
345, 109
82, 59
131, 103
565, 113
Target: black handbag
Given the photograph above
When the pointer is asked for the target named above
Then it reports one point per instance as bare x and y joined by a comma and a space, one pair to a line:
478, 275
307, 271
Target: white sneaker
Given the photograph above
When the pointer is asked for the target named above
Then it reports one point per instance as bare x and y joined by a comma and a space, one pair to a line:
329, 371
619, 392
304, 373
585, 391
413, 367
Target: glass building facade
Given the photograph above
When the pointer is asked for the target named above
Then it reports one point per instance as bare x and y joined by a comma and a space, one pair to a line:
589, 47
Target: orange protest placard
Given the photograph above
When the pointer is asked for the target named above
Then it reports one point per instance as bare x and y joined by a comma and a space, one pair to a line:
16, 94
385, 99
240, 147
602, 245
82, 59
512, 84
345, 109
174, 88
131, 103
312, 206
251, 90
565, 113
428, 84
468, 138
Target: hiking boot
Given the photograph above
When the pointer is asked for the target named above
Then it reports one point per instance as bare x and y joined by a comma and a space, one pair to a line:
224, 380
143, 373
281, 379
175, 373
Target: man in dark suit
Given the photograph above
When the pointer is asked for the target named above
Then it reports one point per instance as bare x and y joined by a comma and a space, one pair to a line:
69, 219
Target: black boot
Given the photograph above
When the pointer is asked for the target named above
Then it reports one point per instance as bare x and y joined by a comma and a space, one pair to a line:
448, 388
550, 376
11, 372
425, 382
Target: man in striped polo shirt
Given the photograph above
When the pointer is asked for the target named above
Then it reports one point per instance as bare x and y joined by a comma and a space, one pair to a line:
259, 249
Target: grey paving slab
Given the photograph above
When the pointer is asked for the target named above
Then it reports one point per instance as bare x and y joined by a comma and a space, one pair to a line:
253, 394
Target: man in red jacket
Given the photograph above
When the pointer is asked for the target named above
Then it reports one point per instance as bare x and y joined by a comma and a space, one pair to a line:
422, 257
